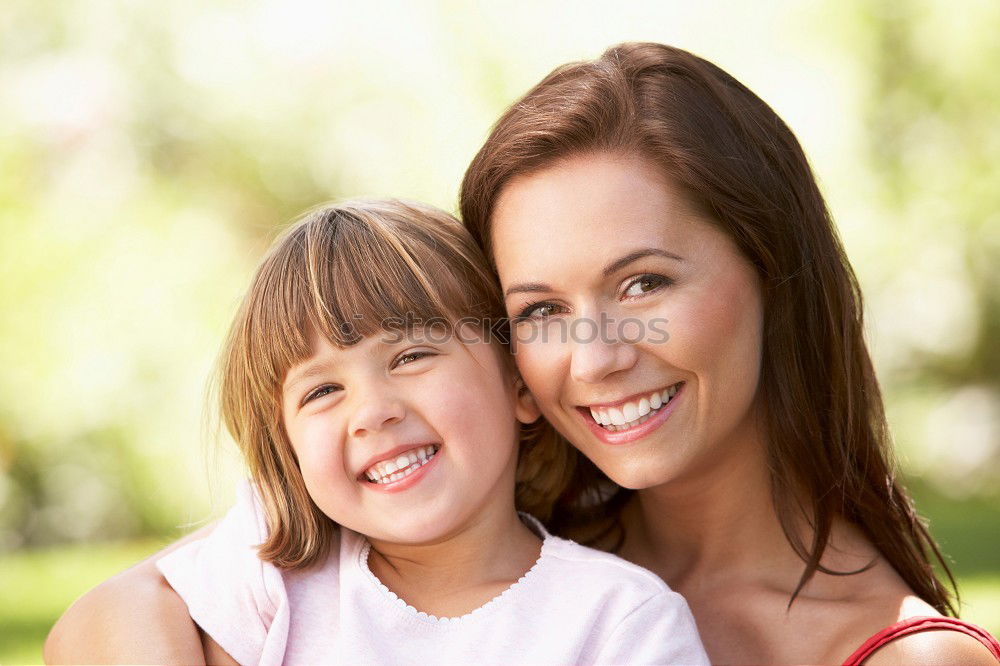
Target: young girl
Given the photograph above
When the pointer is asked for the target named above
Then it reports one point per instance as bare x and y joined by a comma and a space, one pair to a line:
378, 419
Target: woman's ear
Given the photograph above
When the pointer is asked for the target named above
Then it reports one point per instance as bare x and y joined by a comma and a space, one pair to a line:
525, 407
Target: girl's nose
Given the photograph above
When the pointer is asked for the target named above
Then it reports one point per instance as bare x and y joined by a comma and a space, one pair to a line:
374, 413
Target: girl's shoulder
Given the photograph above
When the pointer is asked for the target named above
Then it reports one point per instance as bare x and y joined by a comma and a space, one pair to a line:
569, 560
630, 614
241, 601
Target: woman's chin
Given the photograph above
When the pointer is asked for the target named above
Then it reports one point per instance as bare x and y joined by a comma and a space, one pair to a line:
635, 472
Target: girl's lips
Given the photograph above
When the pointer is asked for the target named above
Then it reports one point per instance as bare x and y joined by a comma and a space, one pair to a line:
639, 431
407, 481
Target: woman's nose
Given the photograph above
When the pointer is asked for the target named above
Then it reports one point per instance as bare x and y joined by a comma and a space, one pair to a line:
374, 412
594, 358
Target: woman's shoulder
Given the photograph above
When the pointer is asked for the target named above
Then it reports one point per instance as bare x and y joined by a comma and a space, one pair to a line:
882, 621
920, 634
133, 617
935, 645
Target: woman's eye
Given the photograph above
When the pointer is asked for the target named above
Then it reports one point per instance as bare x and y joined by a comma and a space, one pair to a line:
319, 392
645, 284
537, 311
410, 357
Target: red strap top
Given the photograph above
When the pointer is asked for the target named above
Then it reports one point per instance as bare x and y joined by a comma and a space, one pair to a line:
915, 625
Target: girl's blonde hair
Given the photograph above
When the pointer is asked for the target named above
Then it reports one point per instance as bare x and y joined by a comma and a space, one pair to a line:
350, 271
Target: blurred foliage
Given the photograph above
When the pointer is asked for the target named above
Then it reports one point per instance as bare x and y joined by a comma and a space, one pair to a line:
933, 139
149, 151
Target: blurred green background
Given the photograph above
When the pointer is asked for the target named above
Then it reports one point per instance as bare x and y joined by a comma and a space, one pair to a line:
149, 150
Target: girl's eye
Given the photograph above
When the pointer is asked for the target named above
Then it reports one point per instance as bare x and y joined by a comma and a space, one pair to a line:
320, 392
410, 357
645, 284
537, 311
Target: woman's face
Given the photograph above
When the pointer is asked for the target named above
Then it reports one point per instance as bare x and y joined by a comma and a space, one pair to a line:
637, 321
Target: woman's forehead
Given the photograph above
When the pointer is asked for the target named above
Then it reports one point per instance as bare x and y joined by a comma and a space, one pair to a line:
581, 216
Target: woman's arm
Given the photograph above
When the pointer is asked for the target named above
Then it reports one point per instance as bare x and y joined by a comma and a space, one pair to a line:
134, 617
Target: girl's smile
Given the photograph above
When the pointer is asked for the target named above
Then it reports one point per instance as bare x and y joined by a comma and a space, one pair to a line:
418, 425
401, 469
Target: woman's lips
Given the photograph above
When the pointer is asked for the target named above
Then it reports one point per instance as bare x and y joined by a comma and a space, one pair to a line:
636, 432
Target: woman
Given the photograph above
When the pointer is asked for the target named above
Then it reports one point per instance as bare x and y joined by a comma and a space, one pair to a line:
684, 315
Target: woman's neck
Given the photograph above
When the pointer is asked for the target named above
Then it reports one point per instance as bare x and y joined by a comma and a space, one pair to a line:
721, 528
716, 523
462, 571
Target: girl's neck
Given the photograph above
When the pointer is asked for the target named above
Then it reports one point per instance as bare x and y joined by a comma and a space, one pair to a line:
462, 571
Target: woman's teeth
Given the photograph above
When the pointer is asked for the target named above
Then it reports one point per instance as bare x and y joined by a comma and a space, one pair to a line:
402, 465
633, 413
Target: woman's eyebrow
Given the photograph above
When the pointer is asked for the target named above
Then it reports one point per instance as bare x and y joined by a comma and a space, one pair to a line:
613, 267
618, 264
527, 288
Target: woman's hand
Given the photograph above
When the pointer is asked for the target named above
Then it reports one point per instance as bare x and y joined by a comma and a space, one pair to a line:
134, 617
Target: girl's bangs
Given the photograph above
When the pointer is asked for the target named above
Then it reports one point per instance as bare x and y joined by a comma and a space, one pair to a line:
348, 277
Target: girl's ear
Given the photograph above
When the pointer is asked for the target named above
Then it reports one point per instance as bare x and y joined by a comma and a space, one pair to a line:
525, 406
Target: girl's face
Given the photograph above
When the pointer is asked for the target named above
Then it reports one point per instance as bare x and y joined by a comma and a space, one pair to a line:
630, 309
404, 437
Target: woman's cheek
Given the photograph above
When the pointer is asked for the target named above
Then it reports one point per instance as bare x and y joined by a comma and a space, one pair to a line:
726, 346
539, 362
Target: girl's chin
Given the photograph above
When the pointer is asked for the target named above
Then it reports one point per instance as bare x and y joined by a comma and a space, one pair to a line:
416, 536
431, 527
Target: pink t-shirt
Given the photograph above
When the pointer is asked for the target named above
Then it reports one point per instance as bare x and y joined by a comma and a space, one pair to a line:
576, 605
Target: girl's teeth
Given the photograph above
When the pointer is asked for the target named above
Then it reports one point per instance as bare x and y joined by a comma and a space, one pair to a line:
400, 467
654, 401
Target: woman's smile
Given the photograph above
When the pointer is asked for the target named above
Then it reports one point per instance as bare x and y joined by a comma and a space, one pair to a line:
605, 245
628, 421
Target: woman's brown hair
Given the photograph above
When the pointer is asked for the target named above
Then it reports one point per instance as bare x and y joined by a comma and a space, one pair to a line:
349, 271
828, 441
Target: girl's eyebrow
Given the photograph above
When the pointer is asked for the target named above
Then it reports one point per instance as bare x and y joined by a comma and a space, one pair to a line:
309, 371
613, 267
320, 366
